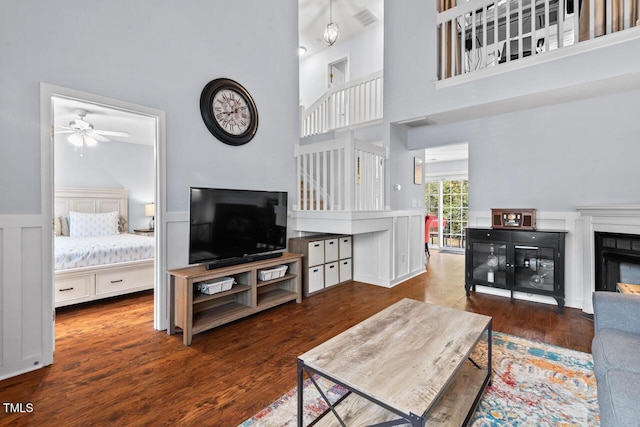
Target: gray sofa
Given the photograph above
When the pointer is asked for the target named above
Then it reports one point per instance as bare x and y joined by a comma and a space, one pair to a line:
616, 357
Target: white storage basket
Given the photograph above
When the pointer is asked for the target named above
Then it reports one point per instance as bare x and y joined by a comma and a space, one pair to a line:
216, 285
273, 273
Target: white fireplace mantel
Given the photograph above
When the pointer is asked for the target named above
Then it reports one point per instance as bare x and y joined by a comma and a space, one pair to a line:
605, 218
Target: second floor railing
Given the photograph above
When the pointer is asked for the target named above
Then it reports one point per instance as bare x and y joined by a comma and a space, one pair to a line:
349, 104
340, 175
478, 34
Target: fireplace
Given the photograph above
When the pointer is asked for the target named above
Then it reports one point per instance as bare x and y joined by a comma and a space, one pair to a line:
617, 259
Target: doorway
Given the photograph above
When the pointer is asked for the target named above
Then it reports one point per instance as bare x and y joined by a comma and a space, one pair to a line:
447, 196
52, 97
338, 72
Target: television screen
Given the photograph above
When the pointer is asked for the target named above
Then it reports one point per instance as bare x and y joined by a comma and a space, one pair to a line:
230, 224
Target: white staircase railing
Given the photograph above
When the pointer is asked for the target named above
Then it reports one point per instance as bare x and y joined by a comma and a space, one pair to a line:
474, 34
352, 103
340, 175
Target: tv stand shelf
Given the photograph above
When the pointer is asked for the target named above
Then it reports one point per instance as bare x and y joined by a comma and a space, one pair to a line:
195, 312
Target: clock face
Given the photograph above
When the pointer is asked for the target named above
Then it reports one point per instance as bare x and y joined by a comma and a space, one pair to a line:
229, 112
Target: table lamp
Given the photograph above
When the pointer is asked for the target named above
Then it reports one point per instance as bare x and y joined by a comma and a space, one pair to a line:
150, 210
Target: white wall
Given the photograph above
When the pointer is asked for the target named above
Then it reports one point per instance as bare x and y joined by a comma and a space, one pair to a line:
112, 164
551, 158
365, 54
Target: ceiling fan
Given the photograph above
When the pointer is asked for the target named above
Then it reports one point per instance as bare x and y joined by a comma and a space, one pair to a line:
82, 132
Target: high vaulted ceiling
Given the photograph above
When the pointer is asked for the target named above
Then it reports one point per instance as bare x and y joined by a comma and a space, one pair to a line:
352, 17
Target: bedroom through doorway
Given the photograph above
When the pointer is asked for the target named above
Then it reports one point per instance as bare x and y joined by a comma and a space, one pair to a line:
105, 195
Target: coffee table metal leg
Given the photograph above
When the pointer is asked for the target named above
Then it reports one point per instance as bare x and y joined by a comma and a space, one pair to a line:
300, 392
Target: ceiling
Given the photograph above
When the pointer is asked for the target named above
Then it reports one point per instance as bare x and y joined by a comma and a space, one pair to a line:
447, 153
352, 17
141, 128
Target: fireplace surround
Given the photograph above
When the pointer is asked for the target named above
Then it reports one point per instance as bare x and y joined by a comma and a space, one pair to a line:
616, 219
617, 259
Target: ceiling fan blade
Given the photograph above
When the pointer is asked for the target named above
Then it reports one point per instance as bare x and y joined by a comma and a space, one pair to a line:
64, 131
65, 127
111, 133
97, 137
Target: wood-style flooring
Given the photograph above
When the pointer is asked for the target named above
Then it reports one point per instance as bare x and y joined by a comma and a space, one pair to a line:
112, 368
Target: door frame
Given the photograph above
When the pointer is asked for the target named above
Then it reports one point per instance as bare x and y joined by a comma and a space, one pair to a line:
47, 91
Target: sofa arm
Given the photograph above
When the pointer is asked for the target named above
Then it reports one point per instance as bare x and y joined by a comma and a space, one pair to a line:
614, 310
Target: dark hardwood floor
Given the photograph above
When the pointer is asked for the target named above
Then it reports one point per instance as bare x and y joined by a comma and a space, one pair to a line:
112, 368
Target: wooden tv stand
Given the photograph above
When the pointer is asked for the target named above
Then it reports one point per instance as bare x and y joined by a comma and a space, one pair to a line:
195, 312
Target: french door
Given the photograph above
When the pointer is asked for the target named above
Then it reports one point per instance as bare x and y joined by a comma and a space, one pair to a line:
448, 201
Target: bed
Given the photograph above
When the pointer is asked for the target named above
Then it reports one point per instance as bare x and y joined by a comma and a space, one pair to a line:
95, 257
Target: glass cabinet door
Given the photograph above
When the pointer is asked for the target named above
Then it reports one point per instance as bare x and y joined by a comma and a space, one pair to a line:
489, 263
534, 268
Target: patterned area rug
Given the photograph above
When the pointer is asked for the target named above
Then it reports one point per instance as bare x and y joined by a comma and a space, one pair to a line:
534, 384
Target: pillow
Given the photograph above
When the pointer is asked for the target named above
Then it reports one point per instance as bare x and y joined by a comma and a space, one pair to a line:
93, 224
64, 226
56, 226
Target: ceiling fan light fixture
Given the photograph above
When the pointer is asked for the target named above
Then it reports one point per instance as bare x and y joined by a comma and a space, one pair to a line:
76, 139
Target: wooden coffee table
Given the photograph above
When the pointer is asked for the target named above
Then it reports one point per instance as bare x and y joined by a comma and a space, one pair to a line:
408, 362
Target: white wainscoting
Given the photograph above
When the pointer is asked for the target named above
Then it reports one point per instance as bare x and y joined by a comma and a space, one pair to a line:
26, 294
574, 291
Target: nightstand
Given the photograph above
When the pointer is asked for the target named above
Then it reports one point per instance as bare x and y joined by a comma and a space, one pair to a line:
144, 232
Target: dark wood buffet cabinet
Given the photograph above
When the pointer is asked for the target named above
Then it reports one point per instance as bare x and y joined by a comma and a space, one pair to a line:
517, 260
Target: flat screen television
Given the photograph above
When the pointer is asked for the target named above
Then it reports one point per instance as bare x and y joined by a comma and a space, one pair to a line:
228, 227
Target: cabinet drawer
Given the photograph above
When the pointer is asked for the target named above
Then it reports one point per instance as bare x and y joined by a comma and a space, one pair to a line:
489, 235
316, 253
345, 270
73, 288
345, 247
331, 274
316, 279
330, 250
108, 282
531, 238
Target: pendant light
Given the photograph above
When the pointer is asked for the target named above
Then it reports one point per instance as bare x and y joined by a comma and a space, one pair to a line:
331, 32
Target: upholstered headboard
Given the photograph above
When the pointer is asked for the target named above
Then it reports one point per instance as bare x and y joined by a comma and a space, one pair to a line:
92, 200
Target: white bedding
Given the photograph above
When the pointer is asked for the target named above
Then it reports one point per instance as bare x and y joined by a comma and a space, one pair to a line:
73, 252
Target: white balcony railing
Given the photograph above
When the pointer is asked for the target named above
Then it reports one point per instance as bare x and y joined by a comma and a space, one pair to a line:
352, 103
340, 175
473, 35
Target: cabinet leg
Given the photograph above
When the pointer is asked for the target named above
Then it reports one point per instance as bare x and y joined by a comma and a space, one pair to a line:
560, 302
467, 288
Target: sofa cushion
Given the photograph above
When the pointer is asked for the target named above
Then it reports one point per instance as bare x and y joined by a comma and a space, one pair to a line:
617, 398
615, 349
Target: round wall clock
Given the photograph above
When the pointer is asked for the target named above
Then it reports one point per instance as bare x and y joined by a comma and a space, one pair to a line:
228, 111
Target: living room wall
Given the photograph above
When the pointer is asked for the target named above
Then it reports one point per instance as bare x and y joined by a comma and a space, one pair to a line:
158, 54
551, 158
153, 53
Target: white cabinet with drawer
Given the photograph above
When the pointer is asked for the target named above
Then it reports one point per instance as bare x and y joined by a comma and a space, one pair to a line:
326, 260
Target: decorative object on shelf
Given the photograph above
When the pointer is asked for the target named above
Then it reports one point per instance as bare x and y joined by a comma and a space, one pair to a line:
492, 262
417, 170
150, 210
332, 30
228, 111
523, 219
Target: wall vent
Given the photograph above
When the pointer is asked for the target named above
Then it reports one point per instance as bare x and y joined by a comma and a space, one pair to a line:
366, 17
